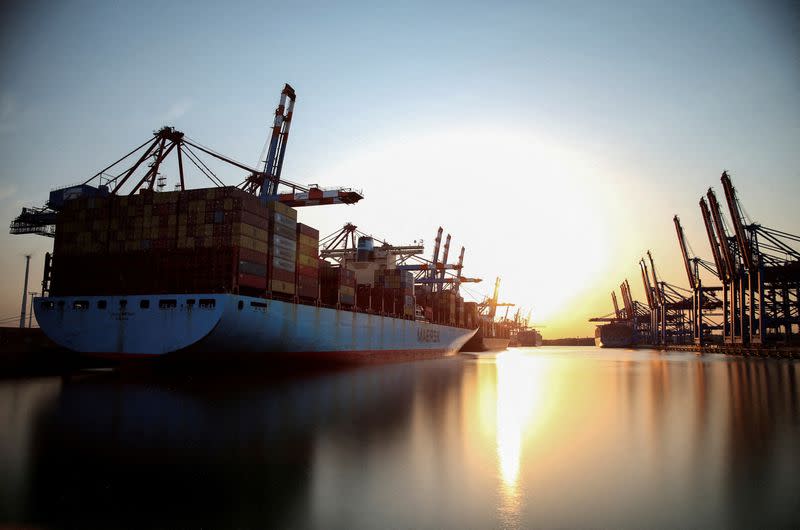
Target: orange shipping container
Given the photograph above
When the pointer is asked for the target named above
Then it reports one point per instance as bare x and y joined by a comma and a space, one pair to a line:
282, 287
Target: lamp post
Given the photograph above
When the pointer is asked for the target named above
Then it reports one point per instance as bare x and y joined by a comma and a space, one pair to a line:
24, 292
30, 313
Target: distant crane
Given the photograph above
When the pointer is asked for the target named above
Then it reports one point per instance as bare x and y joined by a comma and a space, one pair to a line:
491, 304
704, 298
341, 246
734, 305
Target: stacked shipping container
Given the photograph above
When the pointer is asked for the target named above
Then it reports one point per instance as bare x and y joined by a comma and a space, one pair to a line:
307, 262
397, 291
207, 240
337, 285
282, 248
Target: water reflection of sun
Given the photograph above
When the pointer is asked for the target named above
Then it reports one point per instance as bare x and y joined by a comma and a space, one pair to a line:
520, 402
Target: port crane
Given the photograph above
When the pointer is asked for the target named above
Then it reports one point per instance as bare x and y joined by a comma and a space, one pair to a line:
617, 312
759, 271
704, 298
733, 307
670, 307
767, 286
341, 246
632, 313
489, 305
143, 175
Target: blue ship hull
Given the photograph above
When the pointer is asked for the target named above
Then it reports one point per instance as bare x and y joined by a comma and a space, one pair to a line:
194, 324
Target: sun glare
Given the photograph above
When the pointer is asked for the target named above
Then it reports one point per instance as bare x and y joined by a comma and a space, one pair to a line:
528, 210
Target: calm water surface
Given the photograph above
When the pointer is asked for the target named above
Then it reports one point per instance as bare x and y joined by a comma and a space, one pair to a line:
547, 437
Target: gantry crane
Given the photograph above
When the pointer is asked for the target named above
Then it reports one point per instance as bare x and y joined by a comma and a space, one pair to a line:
490, 305
734, 306
341, 247
671, 314
632, 313
769, 277
760, 272
144, 175
704, 298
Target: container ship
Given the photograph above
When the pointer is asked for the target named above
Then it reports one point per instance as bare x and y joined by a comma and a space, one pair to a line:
529, 337
613, 335
491, 335
227, 269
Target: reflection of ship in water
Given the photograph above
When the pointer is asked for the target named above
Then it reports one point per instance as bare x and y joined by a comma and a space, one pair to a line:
492, 335
613, 335
118, 450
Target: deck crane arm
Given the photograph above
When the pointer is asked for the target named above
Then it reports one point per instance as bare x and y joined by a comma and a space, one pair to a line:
731, 265
617, 312
737, 220
690, 274
719, 263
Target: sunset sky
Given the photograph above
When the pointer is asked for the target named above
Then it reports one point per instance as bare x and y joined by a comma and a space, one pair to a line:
555, 140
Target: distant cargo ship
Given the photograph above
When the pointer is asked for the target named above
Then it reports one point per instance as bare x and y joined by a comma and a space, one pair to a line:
225, 269
613, 335
529, 337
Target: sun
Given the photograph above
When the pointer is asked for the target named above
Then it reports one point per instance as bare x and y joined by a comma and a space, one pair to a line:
527, 208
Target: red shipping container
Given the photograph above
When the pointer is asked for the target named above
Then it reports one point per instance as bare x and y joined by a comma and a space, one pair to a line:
281, 275
307, 287
252, 255
256, 282
307, 230
305, 270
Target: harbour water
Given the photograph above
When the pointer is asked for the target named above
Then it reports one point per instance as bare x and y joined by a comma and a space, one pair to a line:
531, 437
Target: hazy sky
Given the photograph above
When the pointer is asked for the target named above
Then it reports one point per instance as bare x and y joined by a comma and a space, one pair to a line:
555, 140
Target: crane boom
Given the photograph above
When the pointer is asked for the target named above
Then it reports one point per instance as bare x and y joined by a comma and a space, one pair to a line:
277, 144
659, 295
648, 289
727, 253
436, 244
626, 299
444, 256
459, 267
616, 305
493, 301
738, 222
712, 241
685, 253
